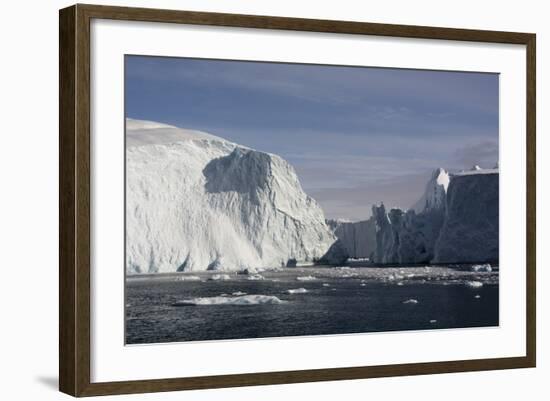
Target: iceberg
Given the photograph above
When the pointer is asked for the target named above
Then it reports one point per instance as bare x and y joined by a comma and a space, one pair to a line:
226, 300
220, 277
357, 238
470, 232
455, 221
198, 202
306, 278
474, 284
297, 291
188, 278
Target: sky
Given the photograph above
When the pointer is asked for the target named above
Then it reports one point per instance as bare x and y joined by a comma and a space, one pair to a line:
356, 136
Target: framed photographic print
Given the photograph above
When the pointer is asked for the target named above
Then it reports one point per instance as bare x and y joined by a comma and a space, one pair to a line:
250, 200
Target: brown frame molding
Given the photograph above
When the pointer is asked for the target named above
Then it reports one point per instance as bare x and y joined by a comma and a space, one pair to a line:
74, 199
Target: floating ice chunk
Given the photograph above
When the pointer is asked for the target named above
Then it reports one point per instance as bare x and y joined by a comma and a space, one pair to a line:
477, 296
410, 301
238, 293
240, 300
433, 321
306, 278
400, 283
188, 278
297, 291
363, 284
474, 284
482, 268
220, 277
326, 285
255, 277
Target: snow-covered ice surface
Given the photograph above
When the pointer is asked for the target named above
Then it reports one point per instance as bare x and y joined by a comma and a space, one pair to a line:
197, 202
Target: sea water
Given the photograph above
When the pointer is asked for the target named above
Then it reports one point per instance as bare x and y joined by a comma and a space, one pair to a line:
307, 301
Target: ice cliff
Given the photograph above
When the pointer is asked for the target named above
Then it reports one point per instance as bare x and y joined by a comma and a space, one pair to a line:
471, 228
196, 202
455, 221
357, 238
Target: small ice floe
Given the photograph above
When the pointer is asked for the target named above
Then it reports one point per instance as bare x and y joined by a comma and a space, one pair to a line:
411, 275
306, 278
240, 300
255, 277
188, 278
297, 291
410, 301
433, 321
238, 293
474, 284
477, 296
326, 285
363, 284
220, 277
400, 283
482, 268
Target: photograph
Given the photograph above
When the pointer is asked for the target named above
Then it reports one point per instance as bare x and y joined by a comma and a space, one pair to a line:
273, 199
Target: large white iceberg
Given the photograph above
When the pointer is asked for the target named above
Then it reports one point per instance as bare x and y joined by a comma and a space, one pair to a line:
198, 202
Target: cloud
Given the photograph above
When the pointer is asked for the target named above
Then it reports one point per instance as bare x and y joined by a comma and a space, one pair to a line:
484, 154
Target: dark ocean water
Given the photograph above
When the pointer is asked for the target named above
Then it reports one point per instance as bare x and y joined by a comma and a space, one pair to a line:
355, 300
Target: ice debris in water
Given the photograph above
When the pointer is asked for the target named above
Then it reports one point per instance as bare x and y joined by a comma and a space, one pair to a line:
482, 268
474, 284
306, 278
477, 296
255, 277
188, 278
326, 285
433, 321
238, 293
410, 301
239, 300
297, 291
220, 277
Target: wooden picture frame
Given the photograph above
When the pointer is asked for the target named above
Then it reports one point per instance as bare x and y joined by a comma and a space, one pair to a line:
75, 207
